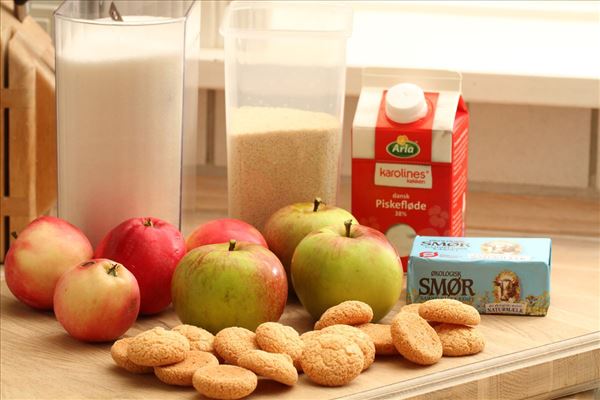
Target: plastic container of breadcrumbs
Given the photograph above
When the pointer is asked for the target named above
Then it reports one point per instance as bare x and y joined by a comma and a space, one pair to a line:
285, 73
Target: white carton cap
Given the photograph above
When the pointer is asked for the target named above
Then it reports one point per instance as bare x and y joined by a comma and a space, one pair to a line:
405, 103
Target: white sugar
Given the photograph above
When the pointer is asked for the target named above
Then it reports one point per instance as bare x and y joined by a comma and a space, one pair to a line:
120, 118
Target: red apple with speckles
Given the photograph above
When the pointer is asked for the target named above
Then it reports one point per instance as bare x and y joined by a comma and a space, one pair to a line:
221, 231
42, 252
231, 284
97, 301
150, 248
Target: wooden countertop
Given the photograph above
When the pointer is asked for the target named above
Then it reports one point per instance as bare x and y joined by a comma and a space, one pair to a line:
525, 357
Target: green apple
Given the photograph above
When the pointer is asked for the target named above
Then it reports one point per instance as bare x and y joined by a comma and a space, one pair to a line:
346, 262
289, 225
229, 284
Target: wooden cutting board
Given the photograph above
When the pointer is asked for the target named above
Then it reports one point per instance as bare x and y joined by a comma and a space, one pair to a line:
525, 357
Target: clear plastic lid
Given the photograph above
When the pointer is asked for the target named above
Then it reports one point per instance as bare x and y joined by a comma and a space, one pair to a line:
281, 18
148, 12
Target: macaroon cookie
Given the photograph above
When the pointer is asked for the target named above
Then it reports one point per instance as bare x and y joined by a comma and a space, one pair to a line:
278, 338
413, 308
415, 339
231, 343
350, 312
276, 366
306, 336
449, 311
357, 336
330, 359
460, 340
200, 339
226, 382
157, 347
118, 352
381, 335
181, 373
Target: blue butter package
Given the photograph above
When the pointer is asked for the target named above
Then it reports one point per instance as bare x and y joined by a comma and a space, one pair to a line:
495, 275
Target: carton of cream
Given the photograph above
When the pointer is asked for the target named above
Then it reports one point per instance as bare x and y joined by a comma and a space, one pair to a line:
495, 275
409, 155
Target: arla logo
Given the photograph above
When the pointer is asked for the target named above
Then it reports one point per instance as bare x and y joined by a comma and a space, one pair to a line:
403, 148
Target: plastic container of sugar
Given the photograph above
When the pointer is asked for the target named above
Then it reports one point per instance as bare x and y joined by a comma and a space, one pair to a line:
285, 77
126, 95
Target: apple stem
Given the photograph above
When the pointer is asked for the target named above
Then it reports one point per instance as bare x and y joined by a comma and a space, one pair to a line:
348, 224
113, 270
87, 263
317, 202
148, 222
232, 243
14, 234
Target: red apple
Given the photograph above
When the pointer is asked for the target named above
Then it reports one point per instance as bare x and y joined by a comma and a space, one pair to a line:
230, 284
346, 262
290, 224
150, 248
97, 301
46, 248
221, 231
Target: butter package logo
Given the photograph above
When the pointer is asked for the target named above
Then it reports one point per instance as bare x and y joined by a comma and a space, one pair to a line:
495, 275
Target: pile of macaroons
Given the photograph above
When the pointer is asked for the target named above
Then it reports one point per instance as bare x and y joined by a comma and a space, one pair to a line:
343, 344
